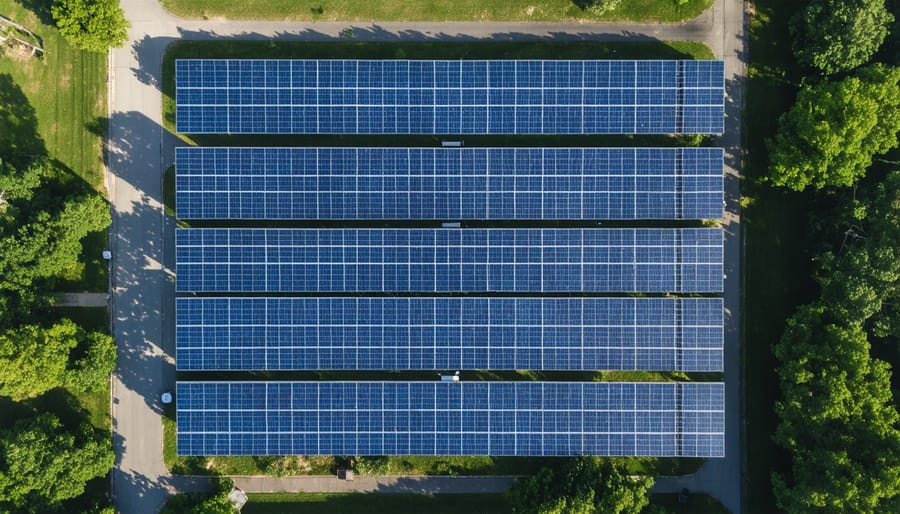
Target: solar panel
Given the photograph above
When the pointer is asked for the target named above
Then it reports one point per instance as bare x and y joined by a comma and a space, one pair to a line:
448, 97
449, 260
448, 183
449, 333
665, 419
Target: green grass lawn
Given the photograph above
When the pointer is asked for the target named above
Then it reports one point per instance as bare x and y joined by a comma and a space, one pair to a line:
376, 504
51, 107
434, 10
777, 265
64, 94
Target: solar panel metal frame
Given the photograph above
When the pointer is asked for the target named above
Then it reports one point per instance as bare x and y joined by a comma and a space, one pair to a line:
335, 183
415, 333
449, 260
334, 96
663, 419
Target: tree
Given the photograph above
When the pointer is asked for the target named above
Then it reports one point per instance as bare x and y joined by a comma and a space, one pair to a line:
16, 185
861, 279
91, 372
34, 359
93, 25
837, 419
41, 464
584, 487
833, 130
839, 35
49, 244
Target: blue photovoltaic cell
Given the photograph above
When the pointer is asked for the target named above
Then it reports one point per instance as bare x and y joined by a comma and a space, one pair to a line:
448, 183
451, 418
449, 260
448, 97
258, 334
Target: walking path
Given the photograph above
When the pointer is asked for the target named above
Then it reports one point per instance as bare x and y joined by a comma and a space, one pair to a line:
139, 150
81, 299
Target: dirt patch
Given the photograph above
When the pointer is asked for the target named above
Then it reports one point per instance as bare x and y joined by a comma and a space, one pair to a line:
529, 11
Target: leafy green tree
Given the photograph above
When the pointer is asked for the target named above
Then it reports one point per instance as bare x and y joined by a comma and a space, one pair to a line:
837, 419
33, 359
49, 244
42, 464
93, 25
18, 185
584, 487
91, 372
861, 278
833, 130
839, 35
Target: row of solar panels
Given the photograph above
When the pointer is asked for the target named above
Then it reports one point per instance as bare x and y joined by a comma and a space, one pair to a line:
449, 260
446, 418
268, 334
449, 97
448, 183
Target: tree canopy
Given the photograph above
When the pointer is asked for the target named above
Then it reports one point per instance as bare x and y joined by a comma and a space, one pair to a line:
833, 130
49, 243
837, 418
583, 487
34, 359
839, 35
42, 464
93, 25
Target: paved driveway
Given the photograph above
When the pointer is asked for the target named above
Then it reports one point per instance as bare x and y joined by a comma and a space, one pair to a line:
139, 150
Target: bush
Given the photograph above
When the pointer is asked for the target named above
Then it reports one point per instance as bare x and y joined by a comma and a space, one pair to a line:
92, 25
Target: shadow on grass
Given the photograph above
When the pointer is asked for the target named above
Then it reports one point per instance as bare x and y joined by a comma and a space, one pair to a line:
20, 142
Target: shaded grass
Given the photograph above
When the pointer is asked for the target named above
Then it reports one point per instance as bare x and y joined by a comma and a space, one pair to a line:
67, 89
169, 191
50, 107
775, 227
433, 10
420, 50
308, 503
697, 503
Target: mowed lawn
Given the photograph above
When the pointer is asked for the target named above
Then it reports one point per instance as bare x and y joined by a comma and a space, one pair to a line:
434, 10
59, 98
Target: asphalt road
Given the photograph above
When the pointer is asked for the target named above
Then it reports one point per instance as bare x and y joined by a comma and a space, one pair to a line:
139, 150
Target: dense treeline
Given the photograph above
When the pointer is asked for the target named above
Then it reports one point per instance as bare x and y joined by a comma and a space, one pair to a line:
837, 415
45, 461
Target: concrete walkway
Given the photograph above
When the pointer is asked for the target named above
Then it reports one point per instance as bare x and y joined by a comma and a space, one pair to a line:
81, 299
385, 484
138, 150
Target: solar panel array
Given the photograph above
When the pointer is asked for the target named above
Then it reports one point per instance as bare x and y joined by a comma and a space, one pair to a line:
445, 418
448, 183
448, 97
449, 260
301, 325
449, 333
